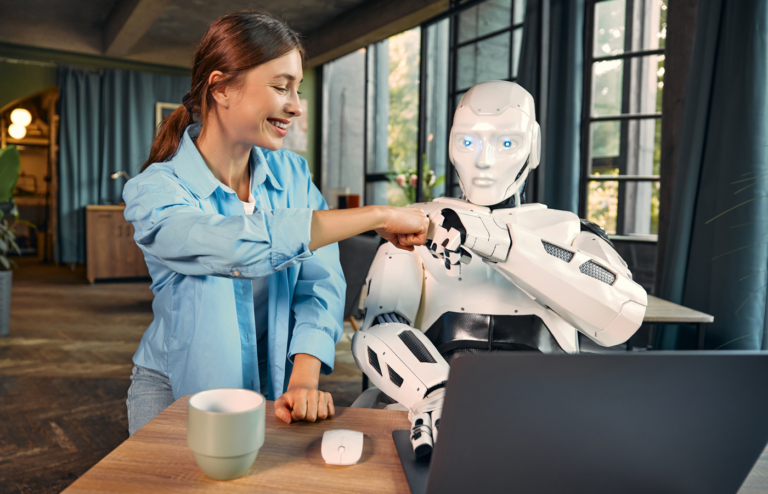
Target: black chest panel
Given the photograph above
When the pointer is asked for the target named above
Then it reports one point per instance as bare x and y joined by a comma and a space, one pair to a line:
458, 332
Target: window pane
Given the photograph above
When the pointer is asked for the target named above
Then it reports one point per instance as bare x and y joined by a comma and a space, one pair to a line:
342, 158
386, 193
519, 12
602, 204
483, 61
436, 152
378, 108
517, 41
607, 92
606, 139
609, 27
484, 18
662, 34
645, 90
642, 208
403, 100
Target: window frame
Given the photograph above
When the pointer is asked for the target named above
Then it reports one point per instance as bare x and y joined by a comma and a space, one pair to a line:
587, 119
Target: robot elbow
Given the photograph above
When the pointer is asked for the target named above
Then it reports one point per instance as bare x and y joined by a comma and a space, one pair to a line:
623, 326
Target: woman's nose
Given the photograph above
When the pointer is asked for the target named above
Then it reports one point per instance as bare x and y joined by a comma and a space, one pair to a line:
294, 106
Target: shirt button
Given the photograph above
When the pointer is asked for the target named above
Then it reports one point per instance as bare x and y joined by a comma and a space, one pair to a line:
236, 272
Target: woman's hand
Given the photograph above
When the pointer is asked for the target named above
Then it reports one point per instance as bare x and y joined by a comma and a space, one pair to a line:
404, 227
302, 400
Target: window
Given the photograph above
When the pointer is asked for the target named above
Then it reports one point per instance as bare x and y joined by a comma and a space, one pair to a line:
621, 128
485, 44
388, 109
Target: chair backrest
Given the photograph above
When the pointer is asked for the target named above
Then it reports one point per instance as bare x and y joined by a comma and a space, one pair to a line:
356, 255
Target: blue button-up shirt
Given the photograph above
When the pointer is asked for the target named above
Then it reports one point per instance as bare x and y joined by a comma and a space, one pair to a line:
202, 252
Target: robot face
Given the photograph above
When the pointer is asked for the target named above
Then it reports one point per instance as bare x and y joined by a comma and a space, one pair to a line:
494, 149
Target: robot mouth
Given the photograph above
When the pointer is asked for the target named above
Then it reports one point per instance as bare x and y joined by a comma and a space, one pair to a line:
483, 181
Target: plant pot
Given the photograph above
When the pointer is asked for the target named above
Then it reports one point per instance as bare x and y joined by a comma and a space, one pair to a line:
5, 301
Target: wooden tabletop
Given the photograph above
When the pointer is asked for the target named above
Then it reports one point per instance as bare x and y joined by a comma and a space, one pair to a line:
663, 311
157, 459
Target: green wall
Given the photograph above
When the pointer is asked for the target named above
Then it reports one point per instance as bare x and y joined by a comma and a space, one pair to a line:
308, 92
27, 70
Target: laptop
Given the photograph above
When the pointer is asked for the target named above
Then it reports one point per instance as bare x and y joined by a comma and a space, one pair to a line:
656, 422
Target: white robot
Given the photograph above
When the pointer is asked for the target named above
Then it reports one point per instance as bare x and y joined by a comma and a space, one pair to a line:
496, 275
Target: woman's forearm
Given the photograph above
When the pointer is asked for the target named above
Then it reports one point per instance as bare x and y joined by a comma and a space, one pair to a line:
404, 227
334, 225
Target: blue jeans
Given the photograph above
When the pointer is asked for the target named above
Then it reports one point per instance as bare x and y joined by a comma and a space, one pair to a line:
149, 394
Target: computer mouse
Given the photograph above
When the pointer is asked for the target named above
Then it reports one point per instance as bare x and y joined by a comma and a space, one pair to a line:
342, 447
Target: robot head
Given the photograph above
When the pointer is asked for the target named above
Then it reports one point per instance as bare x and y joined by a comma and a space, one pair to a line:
494, 141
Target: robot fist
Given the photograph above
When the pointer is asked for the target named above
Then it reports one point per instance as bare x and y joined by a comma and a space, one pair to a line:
452, 231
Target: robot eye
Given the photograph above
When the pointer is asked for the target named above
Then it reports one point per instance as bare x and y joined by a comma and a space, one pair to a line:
509, 144
465, 143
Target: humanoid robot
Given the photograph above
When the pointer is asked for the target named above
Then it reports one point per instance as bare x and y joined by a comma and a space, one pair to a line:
495, 275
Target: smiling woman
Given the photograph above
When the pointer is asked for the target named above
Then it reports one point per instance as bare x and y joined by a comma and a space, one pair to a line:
248, 288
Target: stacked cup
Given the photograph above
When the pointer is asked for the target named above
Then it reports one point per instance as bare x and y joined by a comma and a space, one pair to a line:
225, 430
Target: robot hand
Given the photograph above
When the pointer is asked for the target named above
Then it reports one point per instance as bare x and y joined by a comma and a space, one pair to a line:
453, 232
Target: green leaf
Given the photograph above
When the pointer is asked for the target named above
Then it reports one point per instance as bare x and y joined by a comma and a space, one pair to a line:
439, 181
5, 263
10, 162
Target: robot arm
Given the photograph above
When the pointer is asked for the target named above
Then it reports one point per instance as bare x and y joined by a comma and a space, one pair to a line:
397, 358
586, 283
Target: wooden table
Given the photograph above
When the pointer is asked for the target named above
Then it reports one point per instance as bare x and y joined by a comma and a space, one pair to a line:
664, 312
157, 459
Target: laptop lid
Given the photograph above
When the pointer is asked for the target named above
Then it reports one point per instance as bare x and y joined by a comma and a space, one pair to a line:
652, 422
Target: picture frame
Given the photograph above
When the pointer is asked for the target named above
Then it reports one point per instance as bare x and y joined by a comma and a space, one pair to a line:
162, 110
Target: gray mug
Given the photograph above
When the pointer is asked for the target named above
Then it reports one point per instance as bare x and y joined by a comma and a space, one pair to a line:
225, 430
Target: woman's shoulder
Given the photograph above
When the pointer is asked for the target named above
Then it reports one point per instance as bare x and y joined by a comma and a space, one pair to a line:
283, 157
157, 177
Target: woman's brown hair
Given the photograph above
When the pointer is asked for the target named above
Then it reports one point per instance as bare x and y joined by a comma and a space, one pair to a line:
232, 44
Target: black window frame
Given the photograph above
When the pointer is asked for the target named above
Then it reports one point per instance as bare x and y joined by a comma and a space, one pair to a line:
586, 176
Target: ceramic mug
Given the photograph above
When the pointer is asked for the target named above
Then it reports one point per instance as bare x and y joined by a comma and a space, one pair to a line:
225, 429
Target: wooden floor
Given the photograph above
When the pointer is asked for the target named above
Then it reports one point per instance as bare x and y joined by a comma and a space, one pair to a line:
64, 374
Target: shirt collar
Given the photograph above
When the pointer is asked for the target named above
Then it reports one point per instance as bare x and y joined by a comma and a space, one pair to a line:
191, 167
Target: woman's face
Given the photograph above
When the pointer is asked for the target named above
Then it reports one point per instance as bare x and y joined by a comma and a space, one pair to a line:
263, 105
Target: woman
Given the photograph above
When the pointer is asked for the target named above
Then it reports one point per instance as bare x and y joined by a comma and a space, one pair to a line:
248, 288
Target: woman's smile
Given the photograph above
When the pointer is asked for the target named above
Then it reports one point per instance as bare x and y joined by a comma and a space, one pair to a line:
280, 125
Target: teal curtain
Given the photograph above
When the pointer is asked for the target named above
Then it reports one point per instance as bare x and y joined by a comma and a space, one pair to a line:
717, 250
560, 168
107, 123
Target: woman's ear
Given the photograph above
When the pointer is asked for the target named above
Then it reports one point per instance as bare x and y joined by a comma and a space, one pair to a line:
220, 92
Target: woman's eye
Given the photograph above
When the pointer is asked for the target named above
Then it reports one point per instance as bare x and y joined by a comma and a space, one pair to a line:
281, 89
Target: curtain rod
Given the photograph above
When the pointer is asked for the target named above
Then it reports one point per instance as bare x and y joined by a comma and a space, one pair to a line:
28, 62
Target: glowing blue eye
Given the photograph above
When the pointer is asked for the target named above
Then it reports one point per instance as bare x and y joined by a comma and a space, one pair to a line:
467, 142
507, 144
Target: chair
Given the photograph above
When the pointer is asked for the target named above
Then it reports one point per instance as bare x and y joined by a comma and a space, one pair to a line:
356, 255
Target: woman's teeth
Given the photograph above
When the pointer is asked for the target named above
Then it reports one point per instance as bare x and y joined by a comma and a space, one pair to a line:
278, 124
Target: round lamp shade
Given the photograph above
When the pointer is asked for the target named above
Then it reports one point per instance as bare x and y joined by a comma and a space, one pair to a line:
17, 131
21, 117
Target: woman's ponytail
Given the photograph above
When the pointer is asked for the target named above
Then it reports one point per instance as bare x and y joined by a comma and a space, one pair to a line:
169, 136
233, 44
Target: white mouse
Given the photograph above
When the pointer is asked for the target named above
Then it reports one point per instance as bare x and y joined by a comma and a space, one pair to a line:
342, 447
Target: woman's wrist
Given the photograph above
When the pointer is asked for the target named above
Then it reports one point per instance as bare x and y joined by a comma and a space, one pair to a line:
306, 372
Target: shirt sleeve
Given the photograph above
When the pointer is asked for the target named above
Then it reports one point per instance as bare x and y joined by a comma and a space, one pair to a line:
318, 301
171, 226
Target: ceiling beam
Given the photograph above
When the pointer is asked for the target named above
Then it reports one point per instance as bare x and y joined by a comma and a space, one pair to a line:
368, 23
128, 22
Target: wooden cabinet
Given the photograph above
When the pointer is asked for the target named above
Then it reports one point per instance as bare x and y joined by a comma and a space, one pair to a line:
110, 248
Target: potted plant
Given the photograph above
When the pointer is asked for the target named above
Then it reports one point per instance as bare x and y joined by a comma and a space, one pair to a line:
10, 162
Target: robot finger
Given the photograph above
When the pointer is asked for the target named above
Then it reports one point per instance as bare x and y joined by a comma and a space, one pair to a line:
466, 257
421, 435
